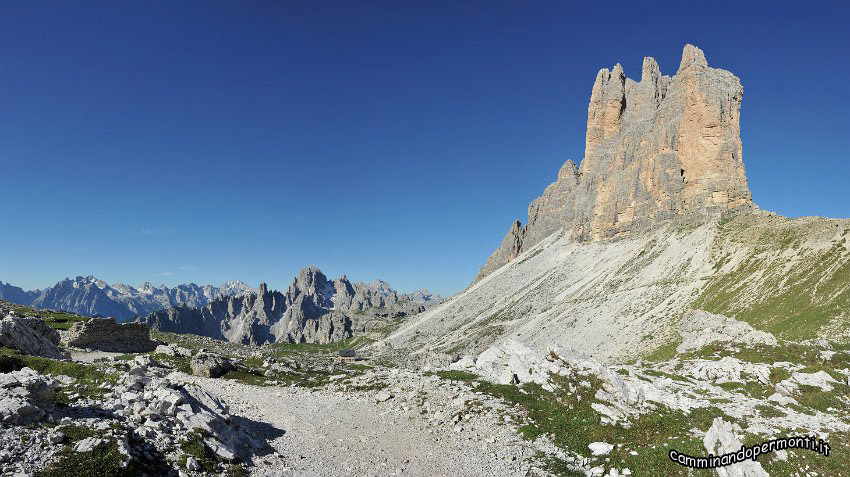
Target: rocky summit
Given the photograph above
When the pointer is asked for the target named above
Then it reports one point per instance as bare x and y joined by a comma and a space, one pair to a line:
313, 309
661, 149
656, 221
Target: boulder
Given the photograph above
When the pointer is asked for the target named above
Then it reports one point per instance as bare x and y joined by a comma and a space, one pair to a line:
701, 328
25, 396
600, 448
105, 334
721, 439
173, 350
511, 362
821, 379
210, 365
29, 336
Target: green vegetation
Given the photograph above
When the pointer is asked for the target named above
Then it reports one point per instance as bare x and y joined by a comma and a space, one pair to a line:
792, 302
194, 446
666, 351
88, 377
455, 375
572, 424
769, 411
104, 460
807, 356
59, 320
286, 349
180, 363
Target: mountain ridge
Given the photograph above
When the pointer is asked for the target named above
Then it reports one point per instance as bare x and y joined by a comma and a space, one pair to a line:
90, 296
312, 309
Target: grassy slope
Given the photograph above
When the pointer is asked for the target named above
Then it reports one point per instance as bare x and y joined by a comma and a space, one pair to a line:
59, 320
792, 277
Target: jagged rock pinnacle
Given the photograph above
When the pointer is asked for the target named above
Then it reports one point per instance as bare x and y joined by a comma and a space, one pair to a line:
664, 148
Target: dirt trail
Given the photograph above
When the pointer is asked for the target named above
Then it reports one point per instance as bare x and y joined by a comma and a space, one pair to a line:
326, 433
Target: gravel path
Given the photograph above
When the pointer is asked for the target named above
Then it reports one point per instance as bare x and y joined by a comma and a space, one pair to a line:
328, 433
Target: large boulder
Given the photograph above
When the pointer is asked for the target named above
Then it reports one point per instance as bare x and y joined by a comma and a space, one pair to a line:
513, 362
144, 396
25, 396
701, 328
210, 365
721, 439
29, 336
105, 334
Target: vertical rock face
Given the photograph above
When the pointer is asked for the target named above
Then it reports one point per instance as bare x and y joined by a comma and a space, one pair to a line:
664, 148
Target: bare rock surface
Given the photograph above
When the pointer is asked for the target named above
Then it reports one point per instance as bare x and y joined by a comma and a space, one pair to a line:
700, 328
721, 439
662, 148
25, 396
30, 336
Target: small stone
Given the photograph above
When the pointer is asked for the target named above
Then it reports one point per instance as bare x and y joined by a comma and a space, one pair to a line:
88, 444
600, 448
56, 437
193, 464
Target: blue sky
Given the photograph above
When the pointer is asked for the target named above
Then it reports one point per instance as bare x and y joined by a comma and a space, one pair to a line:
206, 141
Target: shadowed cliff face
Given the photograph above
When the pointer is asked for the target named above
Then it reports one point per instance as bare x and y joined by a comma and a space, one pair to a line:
662, 149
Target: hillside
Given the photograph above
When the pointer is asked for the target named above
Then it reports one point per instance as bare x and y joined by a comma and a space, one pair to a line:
656, 220
624, 298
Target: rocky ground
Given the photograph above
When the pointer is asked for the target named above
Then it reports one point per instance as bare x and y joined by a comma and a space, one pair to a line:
196, 406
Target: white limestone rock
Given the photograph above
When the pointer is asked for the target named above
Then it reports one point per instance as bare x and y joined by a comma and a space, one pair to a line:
600, 448
700, 328
29, 336
25, 396
721, 439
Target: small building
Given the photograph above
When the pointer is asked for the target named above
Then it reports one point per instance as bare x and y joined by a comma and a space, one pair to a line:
347, 356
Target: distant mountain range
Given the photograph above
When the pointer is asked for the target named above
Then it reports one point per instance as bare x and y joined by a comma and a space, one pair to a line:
89, 296
313, 309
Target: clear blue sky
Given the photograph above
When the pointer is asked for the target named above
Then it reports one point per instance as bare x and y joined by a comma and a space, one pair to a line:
204, 141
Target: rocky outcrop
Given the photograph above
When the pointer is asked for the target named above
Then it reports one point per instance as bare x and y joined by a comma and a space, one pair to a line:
105, 334
661, 149
165, 412
313, 309
29, 336
25, 396
721, 439
700, 328
210, 365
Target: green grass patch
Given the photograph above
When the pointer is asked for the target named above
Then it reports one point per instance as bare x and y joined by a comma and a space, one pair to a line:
455, 375
569, 420
104, 460
59, 320
793, 303
88, 377
194, 446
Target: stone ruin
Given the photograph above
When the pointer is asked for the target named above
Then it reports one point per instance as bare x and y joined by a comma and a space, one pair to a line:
105, 334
